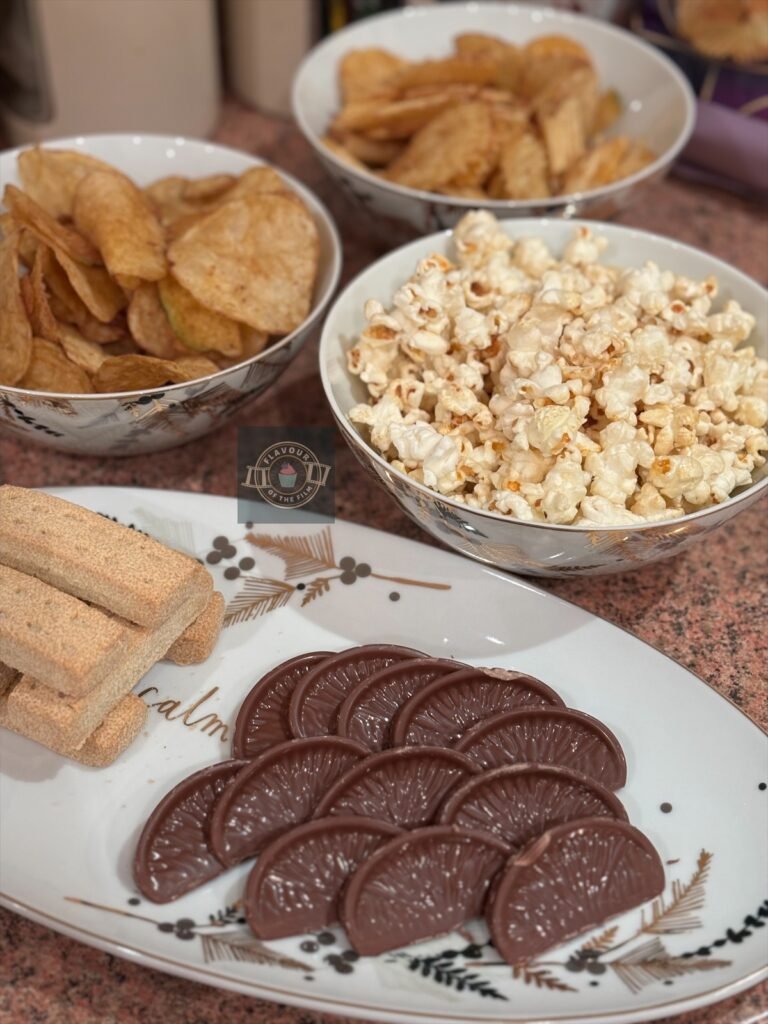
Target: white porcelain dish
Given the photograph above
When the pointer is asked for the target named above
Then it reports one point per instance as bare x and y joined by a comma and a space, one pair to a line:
539, 549
659, 106
135, 422
696, 786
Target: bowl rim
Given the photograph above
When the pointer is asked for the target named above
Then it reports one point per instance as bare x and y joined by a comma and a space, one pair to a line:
555, 17
316, 206
442, 239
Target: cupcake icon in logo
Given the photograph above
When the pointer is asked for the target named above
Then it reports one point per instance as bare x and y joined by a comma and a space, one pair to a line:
287, 476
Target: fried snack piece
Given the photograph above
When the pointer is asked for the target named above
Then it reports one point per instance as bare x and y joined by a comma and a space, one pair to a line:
51, 176
364, 74
198, 328
148, 323
88, 355
55, 719
565, 112
50, 370
253, 260
108, 741
725, 28
522, 171
607, 111
15, 330
111, 211
455, 148
67, 305
125, 571
373, 152
508, 58
140, 373
198, 640
397, 119
42, 321
480, 69
605, 163
102, 298
340, 150
28, 214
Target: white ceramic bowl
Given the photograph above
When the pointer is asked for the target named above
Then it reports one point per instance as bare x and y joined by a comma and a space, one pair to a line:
133, 422
538, 549
658, 101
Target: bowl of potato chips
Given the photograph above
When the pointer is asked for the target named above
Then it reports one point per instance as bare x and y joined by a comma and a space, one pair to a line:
150, 286
423, 113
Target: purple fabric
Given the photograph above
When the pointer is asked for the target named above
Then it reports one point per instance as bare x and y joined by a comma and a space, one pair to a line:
727, 143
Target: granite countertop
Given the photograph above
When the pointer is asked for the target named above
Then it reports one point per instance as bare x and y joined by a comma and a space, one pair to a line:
704, 608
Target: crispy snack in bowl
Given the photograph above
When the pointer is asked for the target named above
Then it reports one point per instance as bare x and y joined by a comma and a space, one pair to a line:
492, 120
107, 287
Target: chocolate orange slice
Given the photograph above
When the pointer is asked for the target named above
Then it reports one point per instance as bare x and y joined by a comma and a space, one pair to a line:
571, 879
404, 786
518, 802
281, 788
295, 884
559, 736
440, 713
367, 711
315, 703
419, 885
262, 719
174, 855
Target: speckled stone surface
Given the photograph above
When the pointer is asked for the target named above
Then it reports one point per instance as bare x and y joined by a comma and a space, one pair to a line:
705, 608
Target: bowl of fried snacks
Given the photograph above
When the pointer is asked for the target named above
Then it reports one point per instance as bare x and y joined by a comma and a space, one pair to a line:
426, 112
554, 397
150, 286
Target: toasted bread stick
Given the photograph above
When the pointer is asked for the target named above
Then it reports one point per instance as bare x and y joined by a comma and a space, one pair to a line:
198, 640
60, 721
118, 730
89, 556
8, 675
54, 636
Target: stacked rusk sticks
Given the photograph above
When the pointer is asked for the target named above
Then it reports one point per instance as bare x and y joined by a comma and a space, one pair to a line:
86, 609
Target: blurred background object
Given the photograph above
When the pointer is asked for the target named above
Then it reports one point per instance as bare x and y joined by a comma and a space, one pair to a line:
79, 66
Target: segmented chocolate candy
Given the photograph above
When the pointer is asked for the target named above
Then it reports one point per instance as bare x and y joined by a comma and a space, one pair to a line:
441, 712
419, 885
262, 719
279, 789
404, 786
573, 878
174, 854
518, 802
548, 736
367, 711
315, 703
295, 884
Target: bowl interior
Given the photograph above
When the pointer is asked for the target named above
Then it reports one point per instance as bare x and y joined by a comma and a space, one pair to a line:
626, 248
145, 158
658, 107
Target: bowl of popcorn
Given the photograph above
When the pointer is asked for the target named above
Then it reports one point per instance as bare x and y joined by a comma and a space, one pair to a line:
554, 397
424, 113
150, 286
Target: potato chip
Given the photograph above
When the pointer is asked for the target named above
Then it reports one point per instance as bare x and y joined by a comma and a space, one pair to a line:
556, 46
93, 285
66, 305
522, 170
600, 166
456, 147
507, 57
565, 111
50, 370
139, 373
200, 190
373, 152
477, 70
398, 119
88, 355
148, 323
607, 111
341, 151
253, 260
364, 74
113, 213
34, 218
258, 181
50, 176
41, 319
15, 331
198, 328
